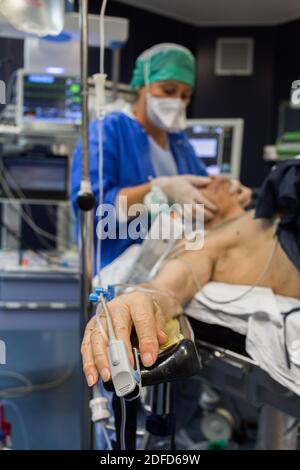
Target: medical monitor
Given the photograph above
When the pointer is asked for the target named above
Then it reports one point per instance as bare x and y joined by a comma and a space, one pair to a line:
218, 143
47, 102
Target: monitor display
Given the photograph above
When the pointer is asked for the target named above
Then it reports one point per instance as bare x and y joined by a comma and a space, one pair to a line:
218, 143
50, 99
206, 147
206, 142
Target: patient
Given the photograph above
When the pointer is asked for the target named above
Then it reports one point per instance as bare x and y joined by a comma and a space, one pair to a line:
226, 201
237, 249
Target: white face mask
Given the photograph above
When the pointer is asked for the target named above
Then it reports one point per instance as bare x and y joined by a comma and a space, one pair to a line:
168, 114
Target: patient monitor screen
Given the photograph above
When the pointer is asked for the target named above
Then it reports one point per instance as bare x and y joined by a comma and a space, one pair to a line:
213, 145
50, 99
206, 142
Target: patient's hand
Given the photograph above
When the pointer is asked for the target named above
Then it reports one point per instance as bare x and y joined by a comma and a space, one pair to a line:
136, 309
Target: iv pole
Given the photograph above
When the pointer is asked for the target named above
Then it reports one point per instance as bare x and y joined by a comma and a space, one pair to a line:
86, 203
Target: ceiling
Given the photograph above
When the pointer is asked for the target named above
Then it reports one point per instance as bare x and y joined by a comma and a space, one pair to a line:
224, 12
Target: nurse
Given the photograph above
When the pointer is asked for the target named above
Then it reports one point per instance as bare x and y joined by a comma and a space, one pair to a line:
148, 146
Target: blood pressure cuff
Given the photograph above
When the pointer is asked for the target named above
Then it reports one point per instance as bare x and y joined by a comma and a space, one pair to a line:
280, 196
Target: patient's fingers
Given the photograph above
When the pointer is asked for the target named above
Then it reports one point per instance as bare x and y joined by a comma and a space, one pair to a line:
160, 323
89, 367
142, 313
122, 324
99, 348
137, 308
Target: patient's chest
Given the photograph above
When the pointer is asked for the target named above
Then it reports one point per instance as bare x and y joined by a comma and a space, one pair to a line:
247, 259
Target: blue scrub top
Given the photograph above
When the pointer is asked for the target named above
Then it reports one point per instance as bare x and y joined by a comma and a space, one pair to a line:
126, 163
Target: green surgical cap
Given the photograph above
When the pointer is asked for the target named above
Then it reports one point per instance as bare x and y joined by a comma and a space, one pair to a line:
164, 62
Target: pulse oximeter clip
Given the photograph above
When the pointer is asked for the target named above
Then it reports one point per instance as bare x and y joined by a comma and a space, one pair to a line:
126, 380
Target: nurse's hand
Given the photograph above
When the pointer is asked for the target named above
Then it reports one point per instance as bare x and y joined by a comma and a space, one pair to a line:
136, 309
244, 193
186, 189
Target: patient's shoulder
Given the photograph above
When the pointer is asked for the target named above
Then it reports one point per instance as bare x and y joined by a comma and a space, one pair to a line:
230, 230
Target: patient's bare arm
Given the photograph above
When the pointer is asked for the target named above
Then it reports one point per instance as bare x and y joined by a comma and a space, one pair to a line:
184, 275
